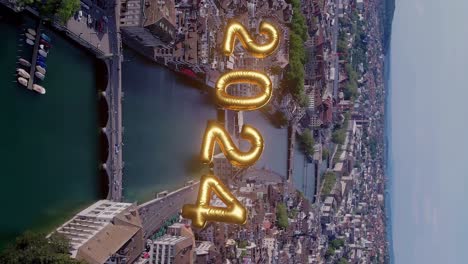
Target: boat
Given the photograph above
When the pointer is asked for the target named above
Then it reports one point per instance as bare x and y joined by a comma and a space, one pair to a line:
32, 31
24, 62
23, 73
45, 43
45, 37
42, 64
43, 53
29, 36
39, 75
29, 42
43, 47
40, 69
39, 89
40, 57
23, 81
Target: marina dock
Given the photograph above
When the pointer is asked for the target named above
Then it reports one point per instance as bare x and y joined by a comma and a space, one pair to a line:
34, 55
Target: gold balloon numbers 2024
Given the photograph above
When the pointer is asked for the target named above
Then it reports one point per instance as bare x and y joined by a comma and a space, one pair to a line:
234, 212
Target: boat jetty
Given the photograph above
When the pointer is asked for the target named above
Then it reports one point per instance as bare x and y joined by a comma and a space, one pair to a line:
37, 66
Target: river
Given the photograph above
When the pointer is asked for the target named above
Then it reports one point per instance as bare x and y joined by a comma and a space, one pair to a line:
48, 142
164, 120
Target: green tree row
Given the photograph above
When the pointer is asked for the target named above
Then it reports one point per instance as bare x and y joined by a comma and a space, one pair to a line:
36, 248
329, 180
282, 216
295, 75
62, 9
307, 142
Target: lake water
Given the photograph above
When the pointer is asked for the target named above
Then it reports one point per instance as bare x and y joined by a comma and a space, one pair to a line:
48, 142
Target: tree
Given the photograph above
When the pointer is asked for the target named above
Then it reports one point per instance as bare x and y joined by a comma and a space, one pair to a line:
36, 248
279, 119
325, 153
67, 9
328, 183
63, 9
282, 216
243, 244
337, 243
339, 136
276, 70
343, 261
330, 252
297, 55
307, 142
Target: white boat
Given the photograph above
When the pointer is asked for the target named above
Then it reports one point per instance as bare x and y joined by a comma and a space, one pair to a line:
43, 53
39, 75
29, 36
23, 81
40, 69
39, 89
32, 31
24, 62
30, 42
23, 73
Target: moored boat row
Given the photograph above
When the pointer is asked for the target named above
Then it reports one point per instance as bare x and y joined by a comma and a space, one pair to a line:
37, 69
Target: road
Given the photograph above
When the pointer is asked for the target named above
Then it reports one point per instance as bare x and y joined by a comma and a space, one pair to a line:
155, 212
334, 50
114, 164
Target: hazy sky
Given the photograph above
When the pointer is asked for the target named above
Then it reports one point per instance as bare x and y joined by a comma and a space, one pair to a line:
430, 131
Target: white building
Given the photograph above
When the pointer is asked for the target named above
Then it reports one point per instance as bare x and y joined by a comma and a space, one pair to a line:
105, 232
172, 249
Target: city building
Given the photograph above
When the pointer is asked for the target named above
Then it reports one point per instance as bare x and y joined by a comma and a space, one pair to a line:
176, 247
105, 232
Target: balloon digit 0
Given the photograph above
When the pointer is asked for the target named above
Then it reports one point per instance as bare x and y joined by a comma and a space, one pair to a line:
239, 103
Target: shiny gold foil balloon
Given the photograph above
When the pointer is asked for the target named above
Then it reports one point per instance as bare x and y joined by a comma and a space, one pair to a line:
216, 133
241, 103
200, 213
235, 30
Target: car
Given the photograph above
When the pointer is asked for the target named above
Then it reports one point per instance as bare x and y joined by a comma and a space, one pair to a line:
80, 15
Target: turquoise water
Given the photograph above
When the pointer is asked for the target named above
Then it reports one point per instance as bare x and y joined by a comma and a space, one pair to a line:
48, 143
